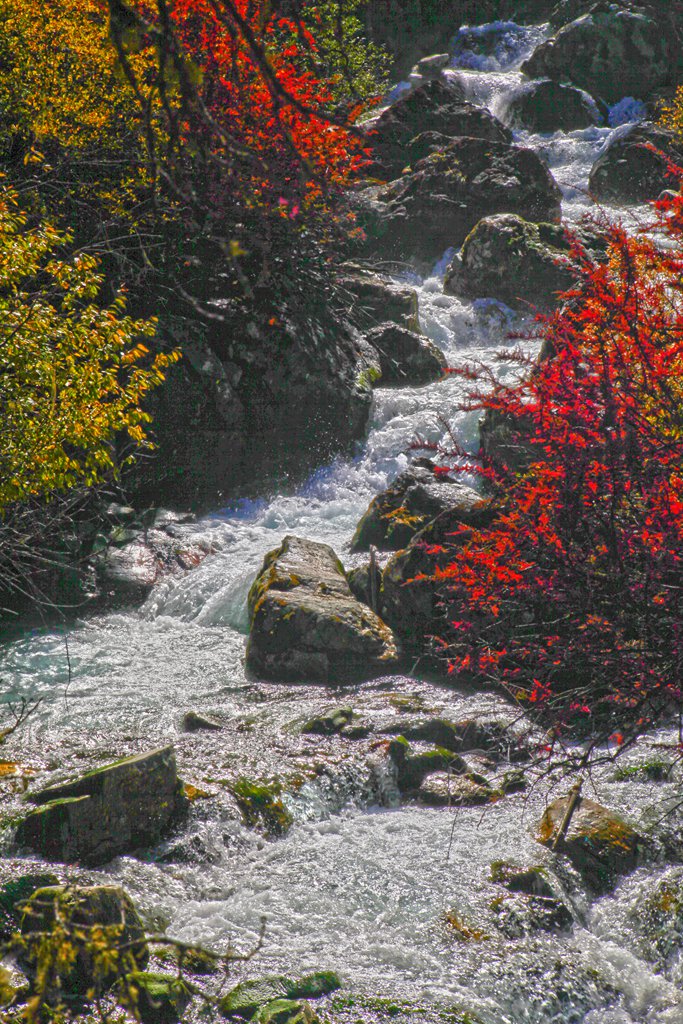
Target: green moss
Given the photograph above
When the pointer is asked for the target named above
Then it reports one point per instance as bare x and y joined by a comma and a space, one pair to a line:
261, 805
653, 770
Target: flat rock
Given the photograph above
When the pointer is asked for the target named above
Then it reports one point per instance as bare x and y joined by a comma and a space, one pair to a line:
106, 812
307, 625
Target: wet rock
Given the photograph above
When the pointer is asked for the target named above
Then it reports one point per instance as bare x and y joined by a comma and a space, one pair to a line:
432, 66
154, 998
468, 736
406, 357
510, 259
658, 918
307, 625
14, 985
547, 106
504, 441
523, 915
133, 562
611, 52
194, 722
375, 299
13, 897
413, 767
330, 723
286, 1011
654, 769
531, 881
417, 496
359, 731
438, 203
444, 789
246, 999
261, 804
106, 812
84, 911
628, 172
427, 118
600, 844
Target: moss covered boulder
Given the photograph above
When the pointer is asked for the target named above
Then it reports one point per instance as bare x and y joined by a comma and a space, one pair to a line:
96, 929
154, 998
547, 106
438, 203
112, 810
610, 51
262, 807
600, 844
307, 625
520, 263
628, 172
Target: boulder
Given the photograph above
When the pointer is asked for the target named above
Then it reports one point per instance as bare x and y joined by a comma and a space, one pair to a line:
438, 203
305, 624
106, 812
523, 915
513, 260
531, 881
492, 738
243, 1001
406, 357
261, 805
416, 496
194, 722
599, 843
84, 912
444, 789
425, 119
286, 1011
375, 299
628, 172
658, 918
330, 723
611, 52
154, 998
547, 106
413, 766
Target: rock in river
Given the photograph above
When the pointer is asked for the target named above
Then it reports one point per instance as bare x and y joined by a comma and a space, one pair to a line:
628, 171
406, 357
106, 812
307, 625
547, 106
438, 203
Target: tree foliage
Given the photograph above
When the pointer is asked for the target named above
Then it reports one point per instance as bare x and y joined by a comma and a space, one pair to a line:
74, 373
573, 598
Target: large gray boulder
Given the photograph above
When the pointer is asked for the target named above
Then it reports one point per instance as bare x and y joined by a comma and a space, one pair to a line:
425, 119
416, 496
611, 52
547, 106
436, 205
520, 263
106, 812
375, 299
406, 357
305, 624
85, 913
600, 844
629, 172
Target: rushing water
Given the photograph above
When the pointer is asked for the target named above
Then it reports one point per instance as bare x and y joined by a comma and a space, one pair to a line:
360, 884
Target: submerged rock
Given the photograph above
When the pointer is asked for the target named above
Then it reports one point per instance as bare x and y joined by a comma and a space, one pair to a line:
194, 722
439, 202
410, 502
610, 52
83, 912
444, 789
106, 812
307, 625
330, 723
629, 172
600, 844
248, 997
522, 915
261, 804
547, 106
406, 357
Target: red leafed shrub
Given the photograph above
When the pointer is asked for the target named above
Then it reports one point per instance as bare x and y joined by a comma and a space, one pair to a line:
573, 599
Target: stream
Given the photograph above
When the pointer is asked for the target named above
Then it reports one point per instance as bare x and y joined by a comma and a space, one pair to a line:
360, 884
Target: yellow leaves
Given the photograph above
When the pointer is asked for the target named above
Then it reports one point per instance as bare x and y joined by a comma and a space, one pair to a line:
74, 374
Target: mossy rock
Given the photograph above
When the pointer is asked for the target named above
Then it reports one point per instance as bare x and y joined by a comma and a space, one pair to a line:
13, 896
249, 996
261, 805
286, 1011
519, 915
654, 770
532, 881
101, 930
330, 723
413, 767
154, 998
659, 918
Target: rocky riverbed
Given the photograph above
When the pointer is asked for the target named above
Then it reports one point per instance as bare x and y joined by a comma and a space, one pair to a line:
389, 826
